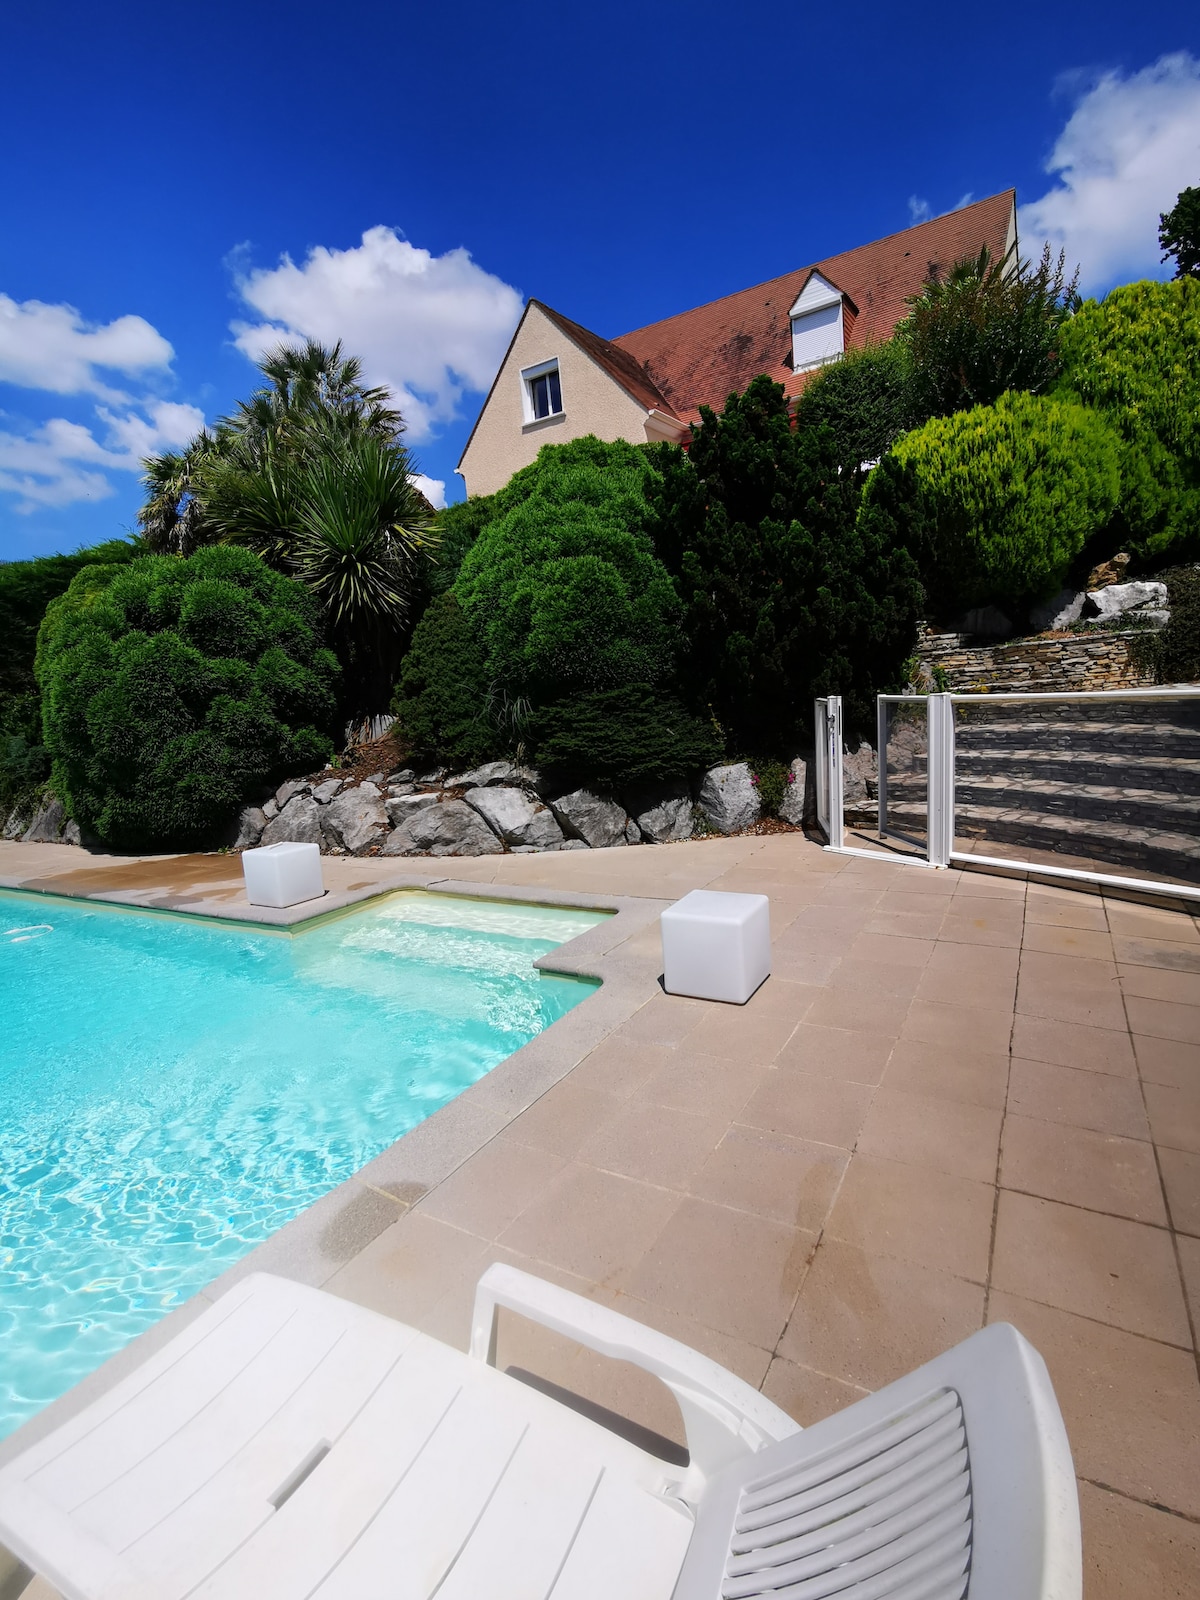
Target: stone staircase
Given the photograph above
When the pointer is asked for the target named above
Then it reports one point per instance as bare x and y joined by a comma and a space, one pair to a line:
1117, 784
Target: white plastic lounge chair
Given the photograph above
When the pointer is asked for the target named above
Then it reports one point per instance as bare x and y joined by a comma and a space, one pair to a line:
290, 1444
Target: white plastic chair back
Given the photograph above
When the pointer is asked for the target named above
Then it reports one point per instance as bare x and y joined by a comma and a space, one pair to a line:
954, 1483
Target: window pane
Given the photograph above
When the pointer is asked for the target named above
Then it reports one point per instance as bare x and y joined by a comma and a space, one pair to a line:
540, 395
555, 391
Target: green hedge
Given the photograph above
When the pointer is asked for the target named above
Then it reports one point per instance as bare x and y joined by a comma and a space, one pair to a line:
441, 702
174, 690
635, 735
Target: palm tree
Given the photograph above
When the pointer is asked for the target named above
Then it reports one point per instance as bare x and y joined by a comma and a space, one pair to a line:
311, 474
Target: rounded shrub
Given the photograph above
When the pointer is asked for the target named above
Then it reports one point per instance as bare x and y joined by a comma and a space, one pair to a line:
631, 736
865, 400
564, 584
1135, 356
1011, 492
173, 690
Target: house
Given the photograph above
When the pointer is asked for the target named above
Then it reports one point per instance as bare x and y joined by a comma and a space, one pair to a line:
559, 380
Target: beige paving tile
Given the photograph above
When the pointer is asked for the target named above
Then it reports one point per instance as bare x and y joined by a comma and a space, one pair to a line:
736, 1272
1174, 1112
1063, 908
778, 997
891, 950
1045, 969
1085, 1005
909, 924
868, 1319
913, 901
916, 1067
773, 1175
1172, 1061
658, 1144
970, 975
1164, 1019
713, 1085
487, 1192
953, 1136
748, 1361
619, 1066
837, 1053
664, 1019
1054, 939
860, 1007
806, 1395
730, 1031
968, 1033
1168, 954
1131, 1405
1161, 983
1082, 1168
997, 908
876, 977
1135, 1552
991, 885
411, 1266
914, 1214
1068, 1044
805, 1106
988, 929
1181, 1179
1081, 1099
592, 1223
1106, 1268
563, 1117
1146, 922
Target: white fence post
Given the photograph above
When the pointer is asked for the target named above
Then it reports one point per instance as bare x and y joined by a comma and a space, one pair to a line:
941, 780
828, 728
882, 718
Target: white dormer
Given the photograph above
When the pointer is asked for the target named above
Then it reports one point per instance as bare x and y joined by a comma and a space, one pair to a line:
818, 333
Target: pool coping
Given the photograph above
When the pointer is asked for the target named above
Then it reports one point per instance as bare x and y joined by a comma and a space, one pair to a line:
334, 1229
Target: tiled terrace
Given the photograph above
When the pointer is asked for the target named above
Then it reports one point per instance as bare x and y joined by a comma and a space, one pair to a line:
958, 1099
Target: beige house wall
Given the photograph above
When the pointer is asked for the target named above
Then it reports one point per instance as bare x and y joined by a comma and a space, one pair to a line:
593, 402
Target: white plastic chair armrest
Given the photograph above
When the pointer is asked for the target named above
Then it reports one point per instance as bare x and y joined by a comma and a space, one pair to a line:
724, 1418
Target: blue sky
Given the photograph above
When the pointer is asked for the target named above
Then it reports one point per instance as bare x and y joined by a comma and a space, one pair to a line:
176, 179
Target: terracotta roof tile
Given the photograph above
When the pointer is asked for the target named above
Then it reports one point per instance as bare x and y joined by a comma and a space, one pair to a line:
700, 357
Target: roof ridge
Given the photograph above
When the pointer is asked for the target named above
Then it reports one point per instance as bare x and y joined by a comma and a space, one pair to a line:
813, 266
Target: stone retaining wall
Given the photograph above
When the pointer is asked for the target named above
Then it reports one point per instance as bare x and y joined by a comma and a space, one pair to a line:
1068, 661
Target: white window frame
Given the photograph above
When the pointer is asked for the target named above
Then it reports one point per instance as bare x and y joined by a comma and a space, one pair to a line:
528, 375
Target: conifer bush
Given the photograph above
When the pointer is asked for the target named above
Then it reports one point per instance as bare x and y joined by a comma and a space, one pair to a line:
174, 690
1012, 492
442, 700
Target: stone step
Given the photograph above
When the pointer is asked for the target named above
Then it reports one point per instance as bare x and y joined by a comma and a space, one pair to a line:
1124, 804
1038, 769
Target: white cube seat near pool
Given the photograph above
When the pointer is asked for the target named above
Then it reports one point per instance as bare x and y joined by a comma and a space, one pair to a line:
282, 874
717, 946
289, 1443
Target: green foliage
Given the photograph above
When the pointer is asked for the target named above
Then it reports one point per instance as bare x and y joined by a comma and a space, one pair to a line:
1174, 654
865, 400
987, 327
26, 588
563, 582
457, 528
173, 690
310, 473
441, 701
788, 592
1012, 492
634, 735
1135, 356
771, 779
1179, 234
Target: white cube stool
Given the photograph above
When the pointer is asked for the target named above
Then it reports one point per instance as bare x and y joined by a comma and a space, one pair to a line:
716, 946
282, 874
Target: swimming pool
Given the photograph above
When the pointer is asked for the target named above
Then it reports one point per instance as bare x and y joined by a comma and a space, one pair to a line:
173, 1090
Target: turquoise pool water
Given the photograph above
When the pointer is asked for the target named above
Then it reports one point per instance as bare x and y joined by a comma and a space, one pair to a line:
173, 1090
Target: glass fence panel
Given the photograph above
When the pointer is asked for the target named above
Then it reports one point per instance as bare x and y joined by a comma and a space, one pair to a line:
903, 766
1106, 785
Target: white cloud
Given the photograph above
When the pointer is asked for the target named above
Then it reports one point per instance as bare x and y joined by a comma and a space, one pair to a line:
434, 489
429, 327
52, 347
918, 209
1130, 145
47, 466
